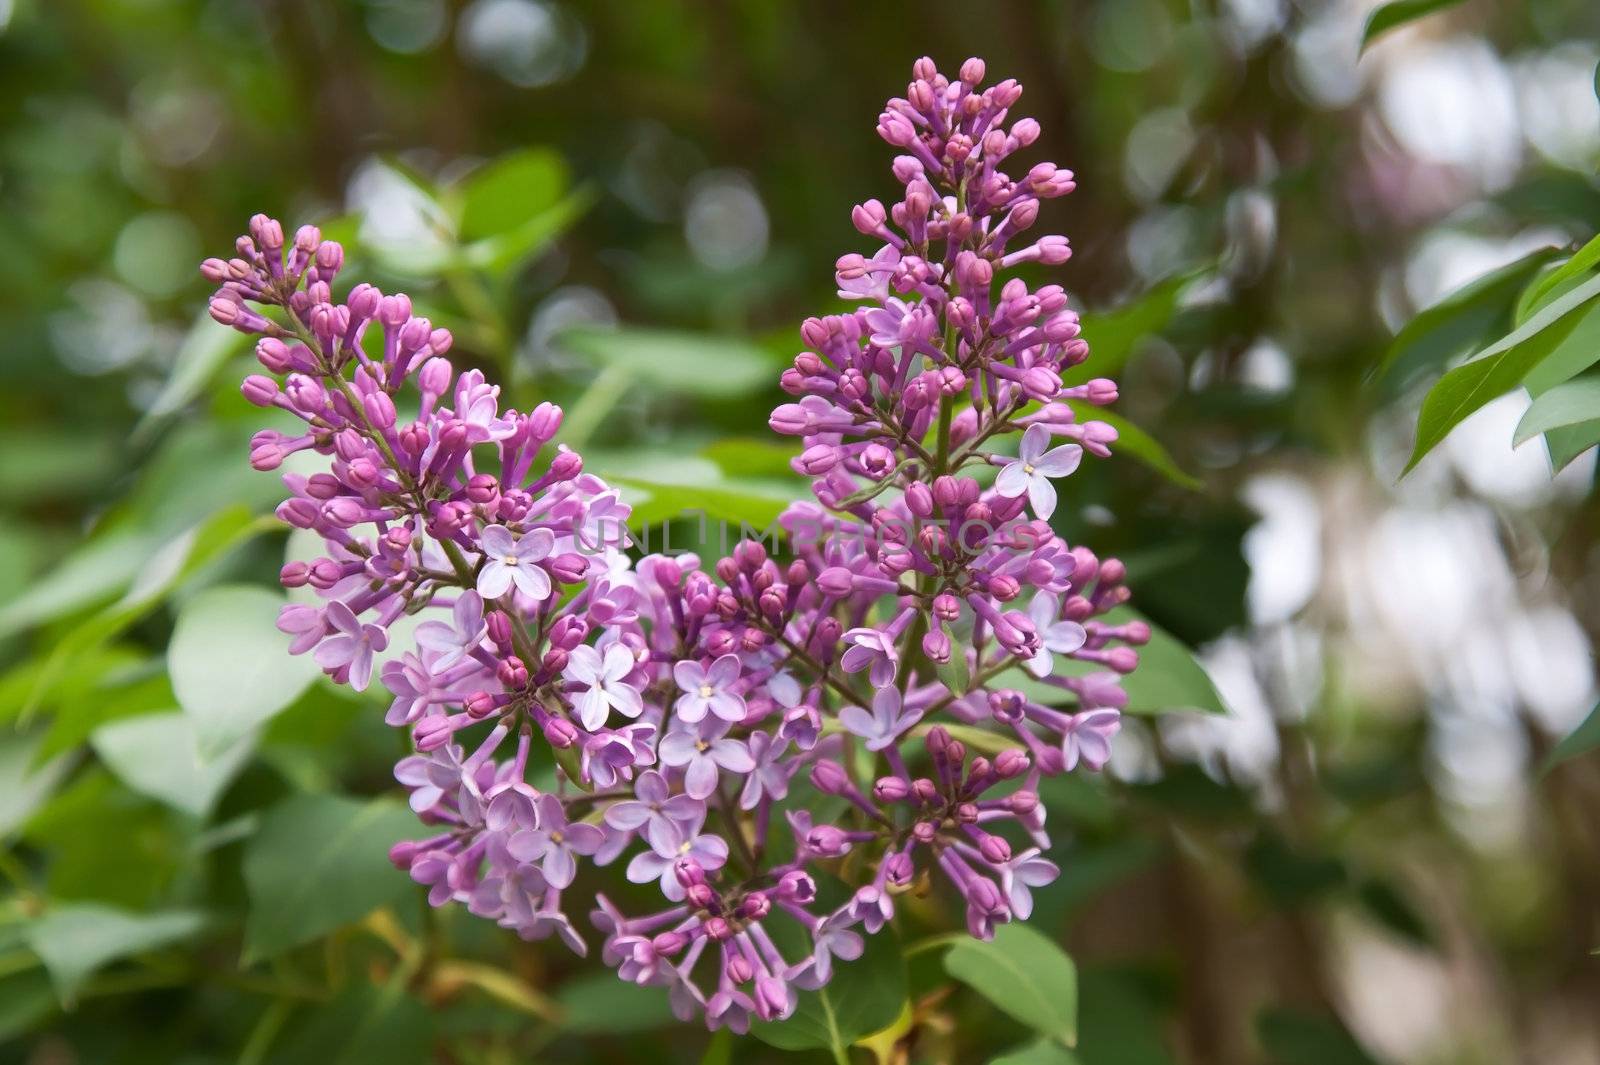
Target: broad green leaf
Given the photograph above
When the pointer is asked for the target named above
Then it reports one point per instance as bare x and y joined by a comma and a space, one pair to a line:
1038, 1052
1294, 1037
1025, 975
95, 572
1574, 403
729, 504
231, 668
600, 1003
1169, 676
156, 755
1114, 335
170, 565
1580, 741
1397, 13
1498, 369
76, 940
319, 862
747, 456
503, 251
24, 786
676, 362
1576, 351
1464, 320
864, 996
362, 1025
206, 349
506, 192
1132, 440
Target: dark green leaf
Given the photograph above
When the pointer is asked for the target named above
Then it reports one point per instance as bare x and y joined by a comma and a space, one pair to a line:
1291, 877
510, 190
864, 995
74, 941
678, 362
1497, 369
602, 1003
1462, 321
231, 668
1398, 13
1025, 975
363, 1025
1134, 441
1580, 741
1169, 676
1113, 336
1292, 1037
500, 253
1558, 279
1394, 912
318, 862
1039, 1052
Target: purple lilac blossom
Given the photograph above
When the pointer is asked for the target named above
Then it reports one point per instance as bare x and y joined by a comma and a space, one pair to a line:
679, 708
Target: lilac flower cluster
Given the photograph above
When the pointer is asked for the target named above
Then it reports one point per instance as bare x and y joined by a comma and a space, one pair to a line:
684, 708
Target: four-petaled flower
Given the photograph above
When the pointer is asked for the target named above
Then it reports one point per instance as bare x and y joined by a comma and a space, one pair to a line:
1087, 738
510, 560
708, 689
1033, 467
604, 673
1056, 635
883, 726
452, 643
875, 648
555, 840
701, 752
352, 645
681, 841
1022, 873
659, 812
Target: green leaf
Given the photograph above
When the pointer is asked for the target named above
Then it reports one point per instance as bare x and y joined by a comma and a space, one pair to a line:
864, 995
26, 999
1169, 676
1397, 13
231, 668
92, 573
156, 755
319, 862
24, 786
362, 1025
1462, 321
1132, 440
752, 505
1580, 741
1113, 336
1025, 975
1293, 1037
601, 1003
206, 349
1553, 282
508, 191
75, 941
500, 253
1574, 403
1038, 1052
1498, 368
718, 367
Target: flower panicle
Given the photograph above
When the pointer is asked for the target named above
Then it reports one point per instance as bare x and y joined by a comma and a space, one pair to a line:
692, 711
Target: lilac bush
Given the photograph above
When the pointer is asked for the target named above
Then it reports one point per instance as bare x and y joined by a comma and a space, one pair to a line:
893, 661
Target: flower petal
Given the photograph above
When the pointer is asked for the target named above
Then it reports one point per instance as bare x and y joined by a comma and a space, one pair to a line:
1042, 496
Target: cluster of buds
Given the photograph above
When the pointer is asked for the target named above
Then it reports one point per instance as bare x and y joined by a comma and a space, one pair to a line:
923, 611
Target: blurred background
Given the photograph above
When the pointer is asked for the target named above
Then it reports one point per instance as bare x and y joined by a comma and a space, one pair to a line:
629, 208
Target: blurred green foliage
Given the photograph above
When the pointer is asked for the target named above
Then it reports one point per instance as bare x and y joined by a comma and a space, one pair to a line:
195, 826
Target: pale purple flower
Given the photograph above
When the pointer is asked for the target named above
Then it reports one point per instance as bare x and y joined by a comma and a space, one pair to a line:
509, 560
611, 755
1087, 738
874, 284
833, 938
549, 920
1022, 873
656, 809
883, 726
701, 752
513, 894
432, 776
414, 687
681, 841
555, 841
304, 623
452, 643
874, 648
769, 774
352, 645
1031, 470
1056, 634
708, 689
729, 1008
604, 672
